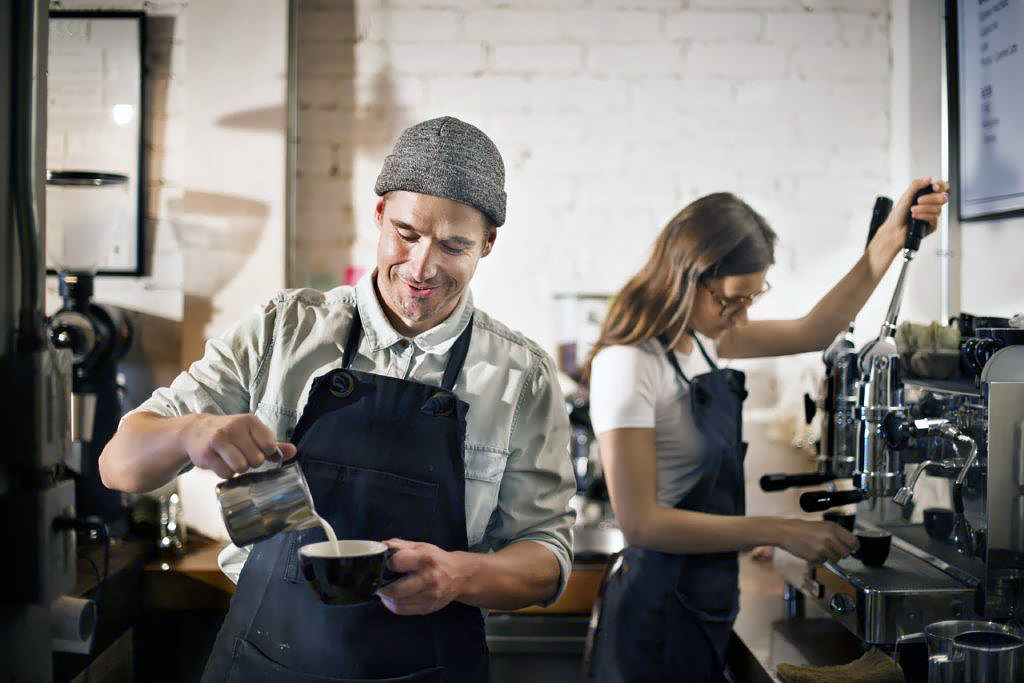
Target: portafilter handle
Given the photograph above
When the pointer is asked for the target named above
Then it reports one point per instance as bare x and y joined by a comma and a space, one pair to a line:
917, 227
782, 481
817, 501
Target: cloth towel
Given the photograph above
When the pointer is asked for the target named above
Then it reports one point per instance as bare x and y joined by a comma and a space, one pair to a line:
874, 666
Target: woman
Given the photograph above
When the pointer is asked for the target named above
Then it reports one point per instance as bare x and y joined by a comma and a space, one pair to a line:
668, 425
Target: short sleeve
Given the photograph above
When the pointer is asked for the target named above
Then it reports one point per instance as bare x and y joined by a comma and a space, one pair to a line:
623, 388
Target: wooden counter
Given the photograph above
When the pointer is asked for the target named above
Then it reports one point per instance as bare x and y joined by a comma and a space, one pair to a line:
194, 581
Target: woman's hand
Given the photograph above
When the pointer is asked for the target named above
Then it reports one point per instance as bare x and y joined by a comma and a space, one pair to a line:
889, 239
816, 542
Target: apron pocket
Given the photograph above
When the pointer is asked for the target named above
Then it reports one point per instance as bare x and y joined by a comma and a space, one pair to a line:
249, 665
708, 586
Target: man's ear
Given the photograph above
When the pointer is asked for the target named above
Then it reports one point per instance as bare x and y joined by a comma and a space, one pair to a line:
492, 234
378, 213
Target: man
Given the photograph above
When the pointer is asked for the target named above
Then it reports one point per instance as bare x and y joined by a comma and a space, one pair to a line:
417, 419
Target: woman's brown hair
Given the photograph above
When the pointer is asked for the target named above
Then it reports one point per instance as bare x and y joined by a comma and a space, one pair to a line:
714, 236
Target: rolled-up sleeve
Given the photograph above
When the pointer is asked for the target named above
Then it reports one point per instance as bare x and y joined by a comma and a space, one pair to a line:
221, 381
533, 501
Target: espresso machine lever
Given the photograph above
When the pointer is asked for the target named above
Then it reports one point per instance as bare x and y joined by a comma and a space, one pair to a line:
878, 470
838, 399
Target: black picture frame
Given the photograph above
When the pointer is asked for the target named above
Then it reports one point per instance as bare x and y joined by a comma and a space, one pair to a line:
955, 138
136, 267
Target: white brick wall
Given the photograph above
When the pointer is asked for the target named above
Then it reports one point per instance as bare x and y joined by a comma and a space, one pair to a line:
612, 115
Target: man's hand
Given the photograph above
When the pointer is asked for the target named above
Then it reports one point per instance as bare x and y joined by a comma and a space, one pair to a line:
892, 233
433, 577
230, 444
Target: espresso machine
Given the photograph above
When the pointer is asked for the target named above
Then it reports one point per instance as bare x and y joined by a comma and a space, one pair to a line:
963, 558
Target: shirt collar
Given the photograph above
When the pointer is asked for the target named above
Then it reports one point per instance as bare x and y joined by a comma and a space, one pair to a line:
381, 335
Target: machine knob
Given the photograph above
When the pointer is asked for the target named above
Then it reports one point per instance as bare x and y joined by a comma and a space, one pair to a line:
840, 604
896, 431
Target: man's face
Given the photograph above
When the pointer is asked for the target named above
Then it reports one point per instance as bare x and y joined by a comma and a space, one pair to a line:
427, 253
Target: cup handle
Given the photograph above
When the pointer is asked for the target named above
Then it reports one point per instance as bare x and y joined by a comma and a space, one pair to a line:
389, 576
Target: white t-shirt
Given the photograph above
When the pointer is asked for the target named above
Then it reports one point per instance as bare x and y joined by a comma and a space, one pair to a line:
636, 386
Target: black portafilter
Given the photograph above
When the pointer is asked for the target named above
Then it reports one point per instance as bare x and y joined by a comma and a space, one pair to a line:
783, 481
816, 501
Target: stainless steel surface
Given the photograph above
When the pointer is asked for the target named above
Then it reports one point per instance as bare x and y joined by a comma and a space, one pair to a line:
257, 505
879, 466
889, 326
891, 603
967, 441
767, 635
989, 657
844, 418
904, 495
1004, 589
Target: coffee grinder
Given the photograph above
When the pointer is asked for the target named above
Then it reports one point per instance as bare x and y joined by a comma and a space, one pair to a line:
82, 209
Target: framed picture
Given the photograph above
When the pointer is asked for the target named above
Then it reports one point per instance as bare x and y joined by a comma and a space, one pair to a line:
985, 69
96, 113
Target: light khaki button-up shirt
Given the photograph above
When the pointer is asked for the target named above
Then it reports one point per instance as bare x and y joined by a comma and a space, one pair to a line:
518, 475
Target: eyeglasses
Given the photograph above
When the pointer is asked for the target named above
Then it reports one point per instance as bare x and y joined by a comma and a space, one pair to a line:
730, 305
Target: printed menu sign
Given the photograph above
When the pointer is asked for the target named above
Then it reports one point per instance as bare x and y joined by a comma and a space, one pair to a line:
991, 82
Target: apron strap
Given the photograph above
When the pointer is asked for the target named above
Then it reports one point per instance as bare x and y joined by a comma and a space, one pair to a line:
712, 364
670, 354
355, 330
457, 357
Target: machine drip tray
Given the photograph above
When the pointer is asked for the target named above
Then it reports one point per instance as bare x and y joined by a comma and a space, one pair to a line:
901, 572
946, 551
892, 603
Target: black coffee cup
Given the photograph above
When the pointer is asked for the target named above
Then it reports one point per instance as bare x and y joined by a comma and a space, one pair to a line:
938, 522
843, 519
350, 576
874, 547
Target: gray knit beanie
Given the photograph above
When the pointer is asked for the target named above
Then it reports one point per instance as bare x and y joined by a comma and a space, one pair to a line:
447, 158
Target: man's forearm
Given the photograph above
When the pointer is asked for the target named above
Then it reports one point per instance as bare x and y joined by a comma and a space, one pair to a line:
144, 454
520, 574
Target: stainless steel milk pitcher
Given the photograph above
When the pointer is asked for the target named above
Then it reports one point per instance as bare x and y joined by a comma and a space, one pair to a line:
258, 505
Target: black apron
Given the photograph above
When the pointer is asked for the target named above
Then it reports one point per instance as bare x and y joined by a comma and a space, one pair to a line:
667, 617
384, 459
